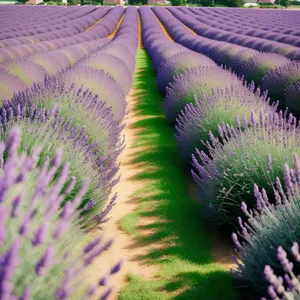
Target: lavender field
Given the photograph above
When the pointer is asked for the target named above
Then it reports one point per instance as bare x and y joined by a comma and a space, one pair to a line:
149, 153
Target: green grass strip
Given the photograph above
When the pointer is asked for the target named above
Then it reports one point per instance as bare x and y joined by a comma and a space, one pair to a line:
186, 266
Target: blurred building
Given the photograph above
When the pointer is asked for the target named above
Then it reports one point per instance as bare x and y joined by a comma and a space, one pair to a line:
266, 1
114, 2
157, 2
33, 1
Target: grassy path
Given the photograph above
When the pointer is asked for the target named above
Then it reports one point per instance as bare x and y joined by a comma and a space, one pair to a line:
165, 222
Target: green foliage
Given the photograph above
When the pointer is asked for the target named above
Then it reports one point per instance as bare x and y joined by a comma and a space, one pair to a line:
53, 2
285, 3
73, 2
233, 3
97, 2
178, 2
137, 2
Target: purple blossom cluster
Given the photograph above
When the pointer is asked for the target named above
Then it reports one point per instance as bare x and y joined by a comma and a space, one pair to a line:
281, 83
292, 280
22, 69
193, 84
178, 64
40, 256
200, 120
80, 105
270, 228
9, 84
238, 159
100, 83
257, 66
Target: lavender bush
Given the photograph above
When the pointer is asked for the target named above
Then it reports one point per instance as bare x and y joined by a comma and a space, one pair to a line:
252, 152
51, 62
24, 70
178, 64
121, 51
80, 105
161, 50
98, 82
197, 121
257, 66
43, 253
9, 84
51, 131
112, 65
276, 81
268, 227
223, 53
292, 97
195, 82
243, 56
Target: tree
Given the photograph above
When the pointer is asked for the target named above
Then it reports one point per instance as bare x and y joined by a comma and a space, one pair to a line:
136, 2
284, 3
177, 2
233, 3
73, 2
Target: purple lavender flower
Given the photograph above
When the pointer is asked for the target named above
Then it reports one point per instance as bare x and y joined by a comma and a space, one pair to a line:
27, 71
22, 254
98, 82
179, 64
257, 66
198, 121
271, 229
292, 96
195, 82
240, 159
45, 261
277, 80
112, 65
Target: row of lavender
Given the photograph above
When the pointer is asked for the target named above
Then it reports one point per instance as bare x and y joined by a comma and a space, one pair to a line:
263, 24
40, 24
275, 73
257, 43
80, 30
56, 190
21, 68
240, 149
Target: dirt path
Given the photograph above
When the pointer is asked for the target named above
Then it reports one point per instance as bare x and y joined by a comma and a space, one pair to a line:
124, 245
